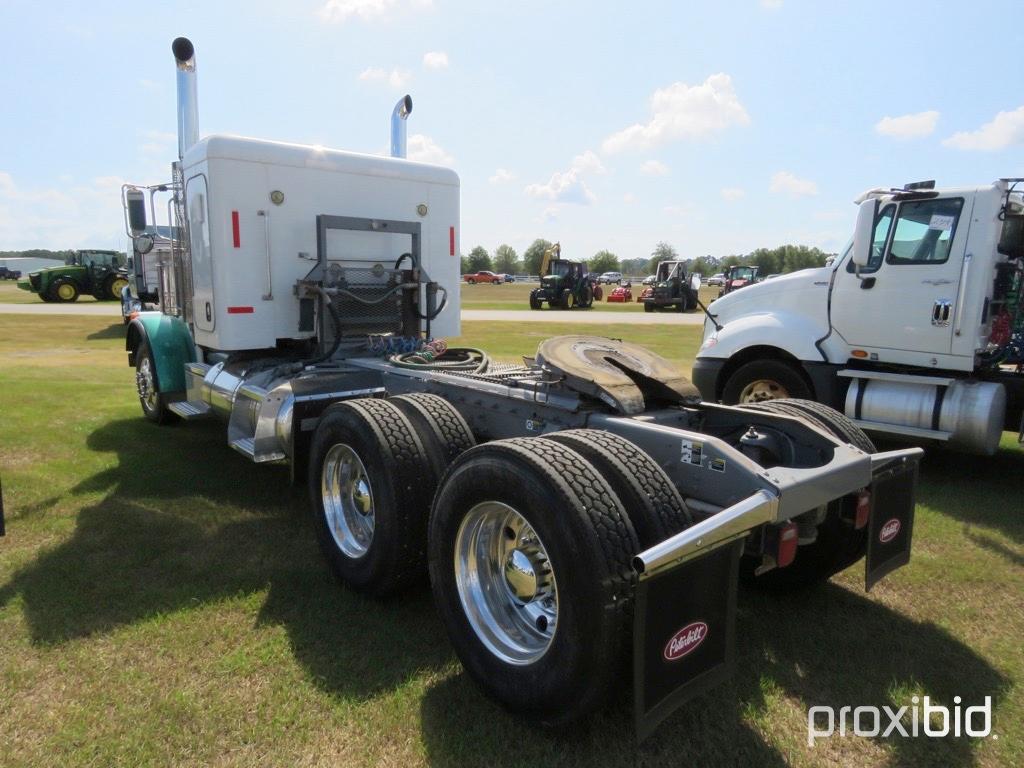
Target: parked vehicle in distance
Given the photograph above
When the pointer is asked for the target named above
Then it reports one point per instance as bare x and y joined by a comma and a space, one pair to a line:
738, 277
483, 277
610, 277
672, 289
564, 284
650, 280
509, 278
9, 274
620, 294
915, 332
717, 279
100, 273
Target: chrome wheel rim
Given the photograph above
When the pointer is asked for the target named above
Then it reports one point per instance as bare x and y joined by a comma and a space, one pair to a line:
146, 384
348, 501
506, 583
763, 389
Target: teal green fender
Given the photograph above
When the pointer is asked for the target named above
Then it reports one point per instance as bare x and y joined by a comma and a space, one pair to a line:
171, 343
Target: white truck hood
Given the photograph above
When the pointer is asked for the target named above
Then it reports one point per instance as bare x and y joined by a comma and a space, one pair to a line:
789, 313
804, 291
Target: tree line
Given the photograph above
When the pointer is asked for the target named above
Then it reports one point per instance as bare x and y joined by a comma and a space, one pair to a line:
784, 258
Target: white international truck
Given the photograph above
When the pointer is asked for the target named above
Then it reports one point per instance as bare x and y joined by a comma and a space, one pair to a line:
916, 332
563, 508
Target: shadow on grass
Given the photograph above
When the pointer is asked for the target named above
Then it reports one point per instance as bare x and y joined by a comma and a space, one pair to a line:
978, 490
827, 647
186, 522
113, 331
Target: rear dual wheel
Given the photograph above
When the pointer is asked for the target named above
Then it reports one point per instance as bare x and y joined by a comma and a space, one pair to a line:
530, 545
373, 468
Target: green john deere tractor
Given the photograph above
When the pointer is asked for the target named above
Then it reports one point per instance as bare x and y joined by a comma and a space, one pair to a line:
564, 284
99, 273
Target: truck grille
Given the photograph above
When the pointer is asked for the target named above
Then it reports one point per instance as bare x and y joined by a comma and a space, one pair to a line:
34, 281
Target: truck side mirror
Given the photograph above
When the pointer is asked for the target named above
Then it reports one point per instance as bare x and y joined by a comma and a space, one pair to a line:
694, 283
135, 200
864, 234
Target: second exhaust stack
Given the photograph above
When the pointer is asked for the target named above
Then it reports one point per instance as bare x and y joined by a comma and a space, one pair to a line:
398, 117
188, 101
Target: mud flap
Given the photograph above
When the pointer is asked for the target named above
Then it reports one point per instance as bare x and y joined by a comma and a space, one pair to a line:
891, 524
684, 634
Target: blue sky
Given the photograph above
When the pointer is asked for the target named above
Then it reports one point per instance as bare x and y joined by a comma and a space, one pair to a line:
719, 127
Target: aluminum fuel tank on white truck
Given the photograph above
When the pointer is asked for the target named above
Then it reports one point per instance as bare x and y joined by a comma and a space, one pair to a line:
252, 208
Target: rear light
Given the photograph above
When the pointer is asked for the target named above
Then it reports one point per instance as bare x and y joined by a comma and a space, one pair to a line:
788, 538
863, 510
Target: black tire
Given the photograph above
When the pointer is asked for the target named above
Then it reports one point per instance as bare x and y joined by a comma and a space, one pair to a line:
840, 426
535, 301
147, 385
55, 290
109, 292
766, 380
445, 434
471, 282
401, 483
648, 306
652, 502
588, 540
839, 544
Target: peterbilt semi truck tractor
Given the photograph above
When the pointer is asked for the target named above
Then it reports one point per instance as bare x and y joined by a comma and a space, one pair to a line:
577, 514
916, 332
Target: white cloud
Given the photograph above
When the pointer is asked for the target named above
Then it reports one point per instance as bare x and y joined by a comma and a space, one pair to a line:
654, 168
732, 193
68, 216
588, 162
502, 176
340, 11
1005, 130
149, 85
681, 111
771, 5
915, 126
396, 78
435, 60
629, 198
786, 183
424, 149
568, 186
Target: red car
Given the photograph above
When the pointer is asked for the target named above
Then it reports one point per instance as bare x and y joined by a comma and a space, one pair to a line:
483, 277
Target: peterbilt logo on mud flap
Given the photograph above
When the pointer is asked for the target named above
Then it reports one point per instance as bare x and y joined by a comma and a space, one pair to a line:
889, 531
685, 640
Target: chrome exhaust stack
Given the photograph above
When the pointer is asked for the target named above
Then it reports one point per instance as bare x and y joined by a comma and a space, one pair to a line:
188, 100
398, 118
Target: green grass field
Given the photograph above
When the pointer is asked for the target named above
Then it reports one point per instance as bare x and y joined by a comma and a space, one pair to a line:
517, 295
162, 601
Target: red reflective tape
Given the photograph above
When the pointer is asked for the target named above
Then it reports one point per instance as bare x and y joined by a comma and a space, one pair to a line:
451, 241
234, 231
240, 310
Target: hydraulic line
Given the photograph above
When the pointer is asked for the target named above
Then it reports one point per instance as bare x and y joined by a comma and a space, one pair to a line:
461, 359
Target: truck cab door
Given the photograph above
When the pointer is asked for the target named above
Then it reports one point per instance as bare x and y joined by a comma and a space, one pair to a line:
905, 298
